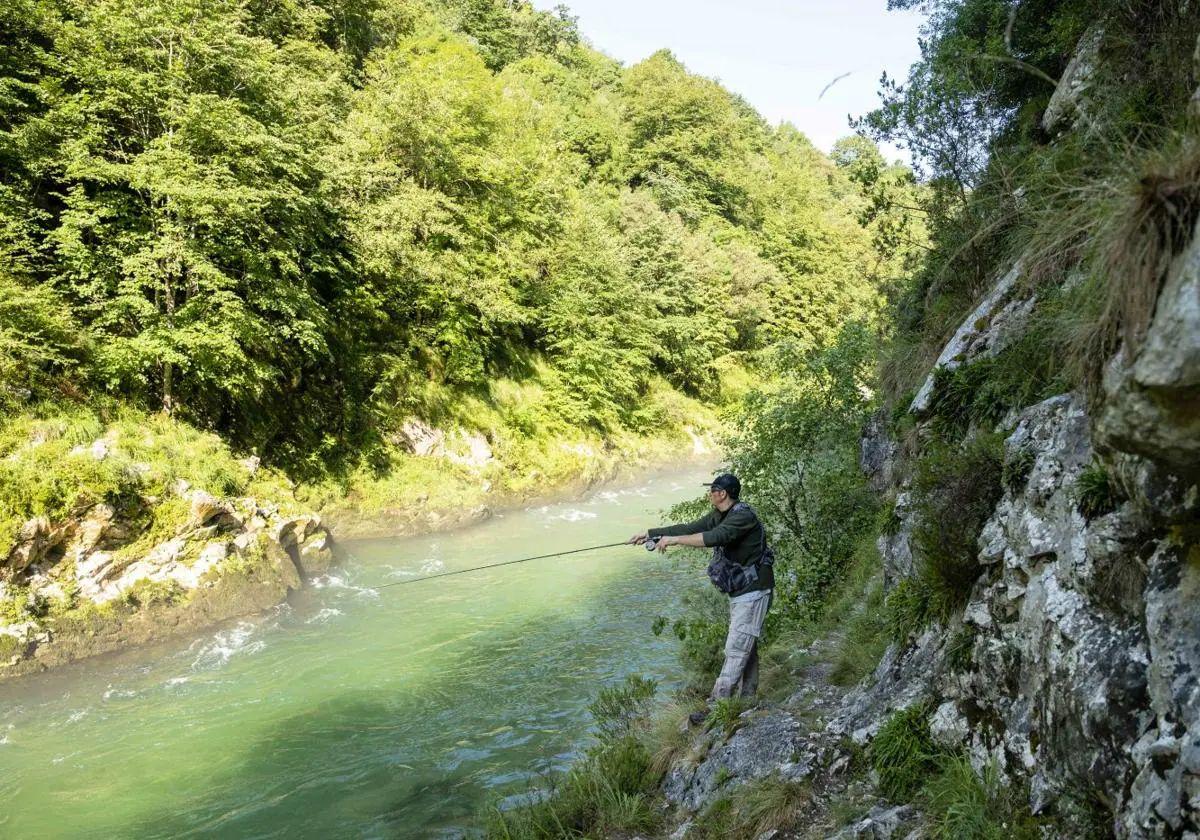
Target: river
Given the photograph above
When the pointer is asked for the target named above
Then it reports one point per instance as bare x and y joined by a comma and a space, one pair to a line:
354, 711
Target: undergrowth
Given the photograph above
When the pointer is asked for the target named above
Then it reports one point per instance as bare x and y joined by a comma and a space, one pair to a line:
865, 637
962, 805
903, 753
62, 461
725, 713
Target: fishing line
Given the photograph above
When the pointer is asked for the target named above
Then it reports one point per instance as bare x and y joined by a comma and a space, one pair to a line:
497, 565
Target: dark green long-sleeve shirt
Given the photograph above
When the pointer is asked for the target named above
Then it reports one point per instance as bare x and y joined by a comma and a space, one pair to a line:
737, 530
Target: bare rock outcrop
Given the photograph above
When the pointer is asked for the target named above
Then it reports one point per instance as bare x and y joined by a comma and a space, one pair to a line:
1152, 398
1082, 677
94, 582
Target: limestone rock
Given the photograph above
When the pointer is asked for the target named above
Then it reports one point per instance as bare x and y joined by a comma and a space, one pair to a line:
1151, 401
877, 453
470, 449
1168, 755
1068, 105
1058, 675
316, 554
948, 726
33, 541
206, 509
283, 565
419, 438
895, 547
18, 640
880, 823
904, 676
759, 748
37, 539
99, 449
991, 327
292, 532
230, 557
95, 527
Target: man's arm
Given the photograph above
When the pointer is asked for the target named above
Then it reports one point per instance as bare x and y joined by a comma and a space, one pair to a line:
694, 540
682, 531
732, 527
702, 524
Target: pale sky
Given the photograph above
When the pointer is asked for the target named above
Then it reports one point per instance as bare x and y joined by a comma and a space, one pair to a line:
778, 55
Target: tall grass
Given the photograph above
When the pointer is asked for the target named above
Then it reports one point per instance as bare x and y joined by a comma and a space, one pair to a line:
610, 790
903, 753
751, 810
962, 805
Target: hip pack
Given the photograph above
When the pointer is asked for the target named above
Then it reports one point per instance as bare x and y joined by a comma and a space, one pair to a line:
734, 578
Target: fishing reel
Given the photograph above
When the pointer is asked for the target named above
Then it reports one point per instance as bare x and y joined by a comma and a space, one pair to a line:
651, 543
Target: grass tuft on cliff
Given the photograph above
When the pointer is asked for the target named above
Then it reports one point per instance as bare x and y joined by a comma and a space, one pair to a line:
903, 753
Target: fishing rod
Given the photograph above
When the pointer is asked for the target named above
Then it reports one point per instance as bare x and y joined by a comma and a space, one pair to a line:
649, 547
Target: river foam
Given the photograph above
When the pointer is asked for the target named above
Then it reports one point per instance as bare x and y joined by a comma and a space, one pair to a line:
227, 644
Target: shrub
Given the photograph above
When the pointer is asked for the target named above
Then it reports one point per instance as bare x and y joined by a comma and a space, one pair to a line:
955, 489
619, 707
702, 633
797, 450
903, 753
40, 341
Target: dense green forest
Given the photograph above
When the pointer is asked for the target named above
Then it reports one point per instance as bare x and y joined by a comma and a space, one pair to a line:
299, 223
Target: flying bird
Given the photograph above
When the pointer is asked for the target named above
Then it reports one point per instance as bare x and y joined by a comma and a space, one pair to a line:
831, 84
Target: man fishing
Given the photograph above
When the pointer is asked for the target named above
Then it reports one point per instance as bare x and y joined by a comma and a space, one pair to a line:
741, 568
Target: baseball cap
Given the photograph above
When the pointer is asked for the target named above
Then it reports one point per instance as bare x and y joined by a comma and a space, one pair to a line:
727, 482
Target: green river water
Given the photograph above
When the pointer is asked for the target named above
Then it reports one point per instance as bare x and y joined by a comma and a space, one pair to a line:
351, 711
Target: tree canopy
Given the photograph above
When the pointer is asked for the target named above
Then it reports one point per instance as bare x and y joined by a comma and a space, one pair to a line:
298, 221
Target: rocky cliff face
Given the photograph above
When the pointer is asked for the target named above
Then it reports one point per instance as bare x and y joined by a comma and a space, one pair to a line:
1073, 671
101, 578
1081, 675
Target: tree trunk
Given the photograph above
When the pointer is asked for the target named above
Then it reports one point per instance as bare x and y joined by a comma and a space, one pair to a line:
168, 400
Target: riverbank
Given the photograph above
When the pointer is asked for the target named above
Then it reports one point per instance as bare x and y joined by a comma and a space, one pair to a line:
134, 528
428, 494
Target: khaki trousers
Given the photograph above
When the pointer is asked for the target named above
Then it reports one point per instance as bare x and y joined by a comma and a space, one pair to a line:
740, 671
